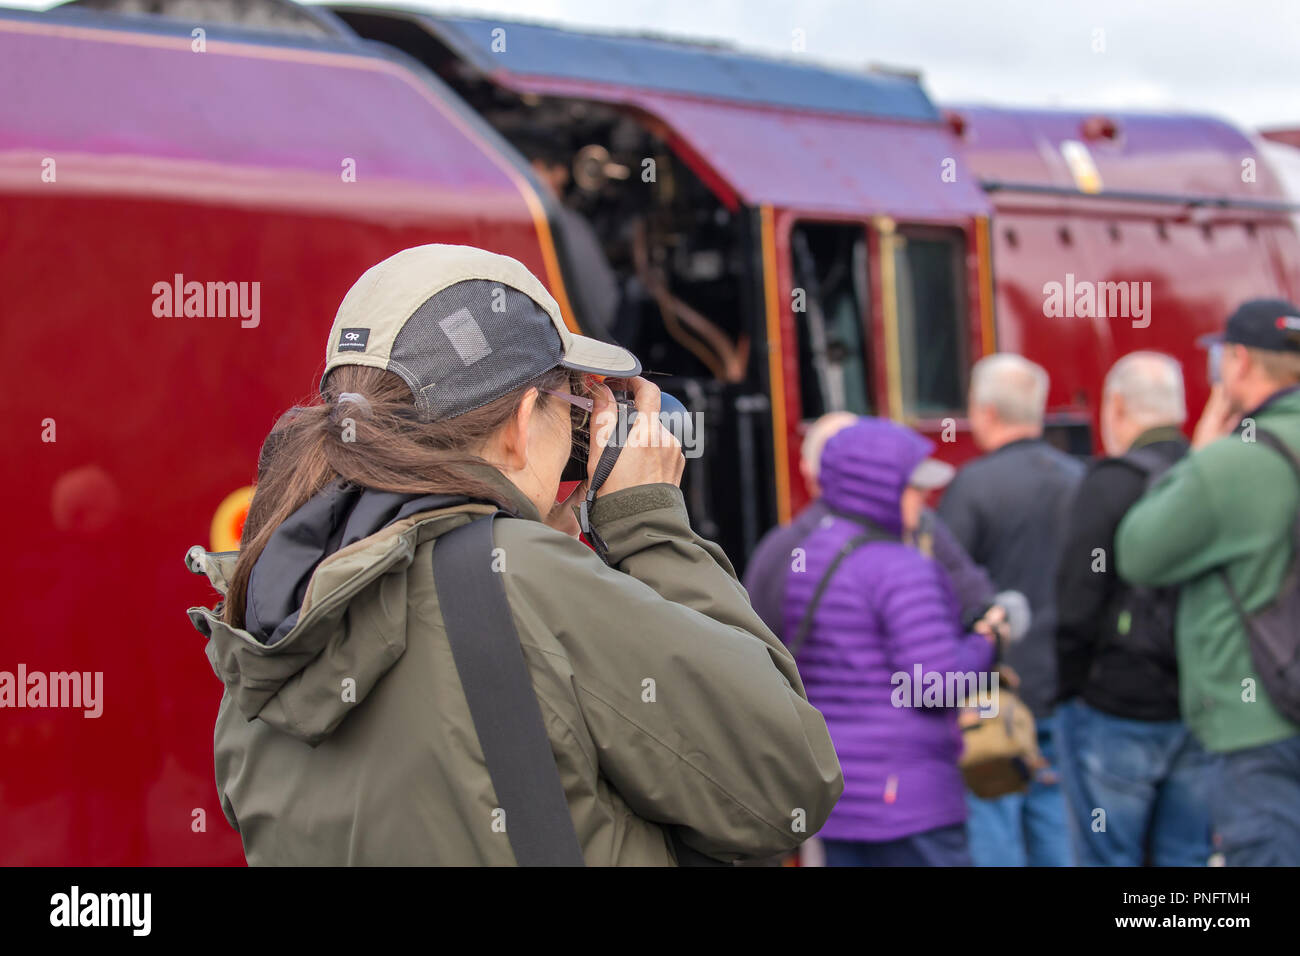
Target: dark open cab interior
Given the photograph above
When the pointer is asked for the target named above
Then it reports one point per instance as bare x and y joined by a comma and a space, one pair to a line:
652, 258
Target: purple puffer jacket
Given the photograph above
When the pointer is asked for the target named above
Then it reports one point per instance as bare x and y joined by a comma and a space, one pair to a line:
887, 609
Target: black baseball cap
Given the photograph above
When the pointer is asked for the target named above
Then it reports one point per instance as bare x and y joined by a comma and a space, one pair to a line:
1269, 324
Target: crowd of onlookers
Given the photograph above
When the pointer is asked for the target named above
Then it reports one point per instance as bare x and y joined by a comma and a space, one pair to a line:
1142, 607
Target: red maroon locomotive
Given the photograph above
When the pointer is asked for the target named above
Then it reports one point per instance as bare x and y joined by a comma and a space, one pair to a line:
784, 239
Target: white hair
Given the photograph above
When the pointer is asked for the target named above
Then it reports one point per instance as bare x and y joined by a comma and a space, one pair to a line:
1014, 387
1151, 384
819, 433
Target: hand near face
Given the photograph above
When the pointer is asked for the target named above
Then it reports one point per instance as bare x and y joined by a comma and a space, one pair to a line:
651, 455
1218, 419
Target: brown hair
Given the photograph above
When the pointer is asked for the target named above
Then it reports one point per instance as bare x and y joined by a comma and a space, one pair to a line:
385, 447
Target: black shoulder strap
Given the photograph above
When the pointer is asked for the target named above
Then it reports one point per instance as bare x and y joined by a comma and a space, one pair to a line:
805, 623
1281, 447
502, 702
1148, 461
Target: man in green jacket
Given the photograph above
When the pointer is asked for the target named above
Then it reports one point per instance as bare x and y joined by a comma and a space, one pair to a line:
1231, 505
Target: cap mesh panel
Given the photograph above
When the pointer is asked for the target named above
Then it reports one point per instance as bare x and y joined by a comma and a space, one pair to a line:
464, 353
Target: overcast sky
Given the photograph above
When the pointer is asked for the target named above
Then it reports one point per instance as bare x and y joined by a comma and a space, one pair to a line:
1237, 60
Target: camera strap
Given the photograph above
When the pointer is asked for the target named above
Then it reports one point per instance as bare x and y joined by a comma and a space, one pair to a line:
502, 703
608, 459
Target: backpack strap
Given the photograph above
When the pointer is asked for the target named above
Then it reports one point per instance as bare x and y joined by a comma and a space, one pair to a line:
502, 702
872, 533
1282, 448
1152, 465
1272, 441
1147, 460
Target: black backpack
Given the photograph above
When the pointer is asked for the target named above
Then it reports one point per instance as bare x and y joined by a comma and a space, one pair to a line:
1274, 630
1145, 617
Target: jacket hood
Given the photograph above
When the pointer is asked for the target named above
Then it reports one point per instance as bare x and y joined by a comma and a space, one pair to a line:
345, 550
865, 467
336, 518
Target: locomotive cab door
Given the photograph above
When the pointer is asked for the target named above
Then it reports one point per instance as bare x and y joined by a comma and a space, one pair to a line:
877, 317
933, 293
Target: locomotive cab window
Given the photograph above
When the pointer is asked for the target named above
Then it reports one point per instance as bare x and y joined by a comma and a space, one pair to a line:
929, 266
830, 286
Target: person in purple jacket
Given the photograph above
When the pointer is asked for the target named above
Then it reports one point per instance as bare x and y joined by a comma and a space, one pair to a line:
886, 615
773, 558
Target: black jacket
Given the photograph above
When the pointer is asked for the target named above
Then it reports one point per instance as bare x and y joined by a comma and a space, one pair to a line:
1133, 676
1006, 510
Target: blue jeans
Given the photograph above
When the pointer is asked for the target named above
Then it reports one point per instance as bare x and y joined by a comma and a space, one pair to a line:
943, 846
1136, 791
1255, 804
1022, 828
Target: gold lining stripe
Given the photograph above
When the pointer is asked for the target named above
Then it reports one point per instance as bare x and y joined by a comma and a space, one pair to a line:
889, 295
983, 247
775, 358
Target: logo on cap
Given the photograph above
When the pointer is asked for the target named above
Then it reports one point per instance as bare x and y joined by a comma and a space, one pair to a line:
1289, 323
466, 336
354, 340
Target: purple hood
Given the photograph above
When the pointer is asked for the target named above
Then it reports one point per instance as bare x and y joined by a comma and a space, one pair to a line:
865, 467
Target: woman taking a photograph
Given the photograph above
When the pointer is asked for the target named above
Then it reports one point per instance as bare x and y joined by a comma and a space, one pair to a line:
677, 722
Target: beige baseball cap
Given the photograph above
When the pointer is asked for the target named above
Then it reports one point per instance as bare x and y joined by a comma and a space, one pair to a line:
462, 327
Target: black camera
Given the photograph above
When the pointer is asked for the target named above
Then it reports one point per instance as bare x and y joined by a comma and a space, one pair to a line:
672, 413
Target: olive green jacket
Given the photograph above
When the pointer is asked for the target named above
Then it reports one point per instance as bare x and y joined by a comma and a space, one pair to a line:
666, 700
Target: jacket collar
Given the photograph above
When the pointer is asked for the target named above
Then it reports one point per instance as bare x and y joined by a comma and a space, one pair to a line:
218, 566
1158, 434
515, 500
1283, 395
1017, 443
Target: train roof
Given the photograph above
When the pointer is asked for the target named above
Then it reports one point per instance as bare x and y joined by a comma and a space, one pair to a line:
1137, 154
548, 59
259, 118
763, 130
767, 131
